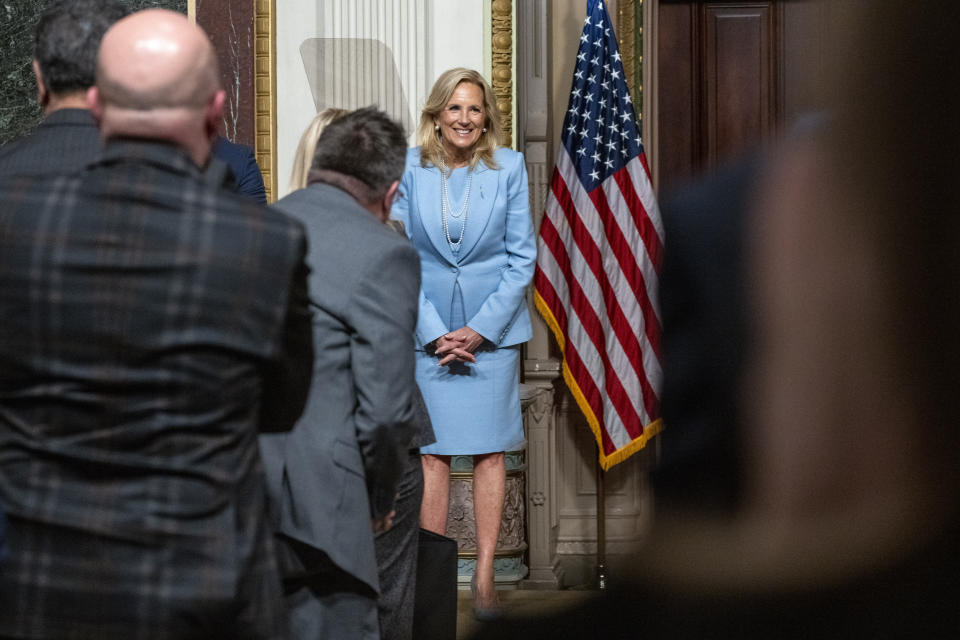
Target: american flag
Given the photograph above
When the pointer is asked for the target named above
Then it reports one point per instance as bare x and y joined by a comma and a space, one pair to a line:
600, 250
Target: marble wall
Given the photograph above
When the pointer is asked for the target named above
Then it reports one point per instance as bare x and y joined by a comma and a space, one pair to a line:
229, 24
19, 111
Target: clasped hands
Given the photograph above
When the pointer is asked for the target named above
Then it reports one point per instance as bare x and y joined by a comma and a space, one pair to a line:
458, 346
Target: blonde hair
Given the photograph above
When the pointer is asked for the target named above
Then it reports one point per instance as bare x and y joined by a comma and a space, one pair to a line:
308, 144
430, 140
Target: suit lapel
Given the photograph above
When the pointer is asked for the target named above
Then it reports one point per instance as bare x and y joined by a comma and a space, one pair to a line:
428, 205
483, 195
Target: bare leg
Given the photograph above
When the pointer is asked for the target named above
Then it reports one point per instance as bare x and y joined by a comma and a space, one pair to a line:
489, 482
436, 493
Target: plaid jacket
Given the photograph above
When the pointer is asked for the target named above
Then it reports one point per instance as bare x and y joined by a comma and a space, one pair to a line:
151, 325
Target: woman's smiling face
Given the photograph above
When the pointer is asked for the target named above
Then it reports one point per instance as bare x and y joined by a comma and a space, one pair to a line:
461, 121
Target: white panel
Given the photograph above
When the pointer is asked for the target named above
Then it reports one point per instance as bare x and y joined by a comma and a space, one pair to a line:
385, 52
459, 33
348, 54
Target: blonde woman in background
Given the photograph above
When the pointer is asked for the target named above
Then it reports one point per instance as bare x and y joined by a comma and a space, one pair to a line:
308, 143
463, 201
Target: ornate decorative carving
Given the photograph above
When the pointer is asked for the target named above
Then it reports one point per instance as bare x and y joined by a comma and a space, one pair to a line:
541, 407
629, 40
538, 499
461, 524
265, 91
501, 46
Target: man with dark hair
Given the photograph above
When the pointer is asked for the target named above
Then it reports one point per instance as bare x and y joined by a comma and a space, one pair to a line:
65, 54
152, 325
333, 480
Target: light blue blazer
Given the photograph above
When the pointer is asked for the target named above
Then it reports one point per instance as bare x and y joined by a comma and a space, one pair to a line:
497, 254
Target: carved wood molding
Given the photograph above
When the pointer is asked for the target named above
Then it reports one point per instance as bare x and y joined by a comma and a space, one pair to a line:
501, 47
461, 522
629, 25
265, 91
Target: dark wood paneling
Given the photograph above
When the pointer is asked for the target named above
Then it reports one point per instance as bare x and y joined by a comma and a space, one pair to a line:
804, 37
739, 85
731, 75
677, 142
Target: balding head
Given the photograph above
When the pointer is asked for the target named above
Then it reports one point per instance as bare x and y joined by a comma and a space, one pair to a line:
157, 78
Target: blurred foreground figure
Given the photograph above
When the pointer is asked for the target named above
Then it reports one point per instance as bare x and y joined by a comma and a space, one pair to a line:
705, 341
850, 525
151, 324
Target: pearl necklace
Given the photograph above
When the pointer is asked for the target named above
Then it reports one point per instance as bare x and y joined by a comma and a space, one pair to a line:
446, 209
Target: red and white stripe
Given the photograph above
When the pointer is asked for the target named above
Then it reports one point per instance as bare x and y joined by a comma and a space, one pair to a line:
596, 284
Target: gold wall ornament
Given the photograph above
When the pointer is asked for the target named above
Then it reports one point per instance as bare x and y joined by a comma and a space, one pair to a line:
501, 47
265, 91
630, 42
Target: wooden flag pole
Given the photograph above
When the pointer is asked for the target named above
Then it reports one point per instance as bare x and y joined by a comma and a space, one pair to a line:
601, 529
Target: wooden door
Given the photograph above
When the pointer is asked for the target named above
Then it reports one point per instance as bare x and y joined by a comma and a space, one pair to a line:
731, 75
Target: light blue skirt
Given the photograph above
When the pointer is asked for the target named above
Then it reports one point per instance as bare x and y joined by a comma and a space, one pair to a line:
474, 408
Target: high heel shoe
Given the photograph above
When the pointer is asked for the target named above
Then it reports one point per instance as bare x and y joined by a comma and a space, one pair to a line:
485, 614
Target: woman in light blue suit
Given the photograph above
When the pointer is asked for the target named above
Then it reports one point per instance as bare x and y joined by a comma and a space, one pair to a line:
464, 205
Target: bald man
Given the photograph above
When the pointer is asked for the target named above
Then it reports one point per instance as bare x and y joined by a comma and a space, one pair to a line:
152, 326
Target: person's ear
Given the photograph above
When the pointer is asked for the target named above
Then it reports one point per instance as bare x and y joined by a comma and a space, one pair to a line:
43, 96
388, 199
214, 113
95, 104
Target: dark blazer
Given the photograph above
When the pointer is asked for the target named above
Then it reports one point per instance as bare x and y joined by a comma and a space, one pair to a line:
68, 139
705, 339
342, 463
243, 165
65, 140
152, 324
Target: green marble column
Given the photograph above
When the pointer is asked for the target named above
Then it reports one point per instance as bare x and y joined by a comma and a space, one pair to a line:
19, 111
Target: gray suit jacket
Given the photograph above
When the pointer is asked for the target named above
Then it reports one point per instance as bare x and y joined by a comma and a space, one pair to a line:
341, 464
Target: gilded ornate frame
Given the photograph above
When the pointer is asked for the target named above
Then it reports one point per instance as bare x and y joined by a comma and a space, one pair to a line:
501, 47
265, 92
637, 38
630, 41
265, 80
